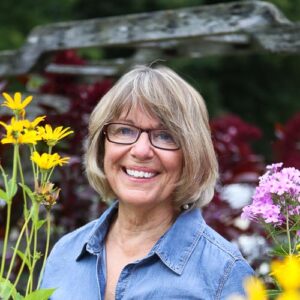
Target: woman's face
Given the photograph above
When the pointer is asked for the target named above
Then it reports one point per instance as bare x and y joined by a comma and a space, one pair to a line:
121, 162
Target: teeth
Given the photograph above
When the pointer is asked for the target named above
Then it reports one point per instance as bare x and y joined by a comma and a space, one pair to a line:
139, 174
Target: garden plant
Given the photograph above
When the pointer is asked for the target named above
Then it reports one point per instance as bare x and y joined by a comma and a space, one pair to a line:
276, 205
32, 143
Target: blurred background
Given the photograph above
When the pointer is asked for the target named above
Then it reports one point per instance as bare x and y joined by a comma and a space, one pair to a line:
253, 101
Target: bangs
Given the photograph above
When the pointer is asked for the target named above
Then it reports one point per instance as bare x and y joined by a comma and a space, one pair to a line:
150, 96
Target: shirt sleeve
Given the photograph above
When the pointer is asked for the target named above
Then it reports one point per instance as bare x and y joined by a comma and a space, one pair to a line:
233, 283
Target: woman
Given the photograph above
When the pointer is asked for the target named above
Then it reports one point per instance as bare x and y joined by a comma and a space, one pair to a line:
149, 149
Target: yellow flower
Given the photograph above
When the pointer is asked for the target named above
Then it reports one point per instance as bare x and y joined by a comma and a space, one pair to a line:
16, 133
15, 103
52, 136
289, 295
13, 131
32, 124
287, 272
15, 125
255, 289
48, 161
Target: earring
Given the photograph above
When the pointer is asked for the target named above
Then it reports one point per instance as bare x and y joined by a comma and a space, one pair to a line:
185, 206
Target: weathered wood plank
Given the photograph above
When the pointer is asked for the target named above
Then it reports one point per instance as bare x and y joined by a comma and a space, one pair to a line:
246, 17
280, 39
156, 26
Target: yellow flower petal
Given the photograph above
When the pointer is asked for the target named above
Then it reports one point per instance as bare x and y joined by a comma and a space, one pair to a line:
33, 124
289, 295
255, 289
291, 266
9, 140
4, 124
8, 98
26, 101
29, 137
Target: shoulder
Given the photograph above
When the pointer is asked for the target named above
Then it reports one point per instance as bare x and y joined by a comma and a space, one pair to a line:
221, 250
220, 245
226, 263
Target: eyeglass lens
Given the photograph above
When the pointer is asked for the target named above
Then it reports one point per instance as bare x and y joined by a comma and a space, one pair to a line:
127, 134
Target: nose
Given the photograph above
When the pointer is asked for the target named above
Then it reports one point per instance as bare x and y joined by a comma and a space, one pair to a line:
142, 148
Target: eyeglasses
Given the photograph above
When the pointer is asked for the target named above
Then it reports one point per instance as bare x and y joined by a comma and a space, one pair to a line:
125, 134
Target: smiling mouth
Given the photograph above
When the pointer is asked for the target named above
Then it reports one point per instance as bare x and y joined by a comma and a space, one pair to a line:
139, 174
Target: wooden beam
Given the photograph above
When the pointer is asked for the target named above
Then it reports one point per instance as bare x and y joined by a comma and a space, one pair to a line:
194, 23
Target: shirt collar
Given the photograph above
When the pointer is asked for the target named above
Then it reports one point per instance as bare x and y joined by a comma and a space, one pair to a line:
93, 243
178, 243
173, 248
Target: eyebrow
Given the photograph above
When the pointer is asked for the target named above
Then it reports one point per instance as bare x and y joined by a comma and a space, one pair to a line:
131, 122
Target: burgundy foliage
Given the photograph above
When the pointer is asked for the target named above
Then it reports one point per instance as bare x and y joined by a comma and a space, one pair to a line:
75, 207
232, 139
238, 163
287, 146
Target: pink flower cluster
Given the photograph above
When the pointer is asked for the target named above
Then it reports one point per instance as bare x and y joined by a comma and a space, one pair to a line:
276, 196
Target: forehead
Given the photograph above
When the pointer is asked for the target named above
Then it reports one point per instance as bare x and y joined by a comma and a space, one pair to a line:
140, 117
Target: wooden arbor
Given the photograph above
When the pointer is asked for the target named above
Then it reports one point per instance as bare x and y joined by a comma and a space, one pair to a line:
231, 28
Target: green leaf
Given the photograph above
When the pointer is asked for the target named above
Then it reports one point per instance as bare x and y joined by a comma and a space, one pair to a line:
273, 292
35, 214
12, 189
40, 223
37, 256
28, 191
24, 258
281, 250
42, 294
3, 195
7, 290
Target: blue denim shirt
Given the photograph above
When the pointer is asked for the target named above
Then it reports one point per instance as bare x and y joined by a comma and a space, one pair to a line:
190, 261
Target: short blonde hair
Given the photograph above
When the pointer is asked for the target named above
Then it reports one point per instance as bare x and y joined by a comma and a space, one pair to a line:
162, 93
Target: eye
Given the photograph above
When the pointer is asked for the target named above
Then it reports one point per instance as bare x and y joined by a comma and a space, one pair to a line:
123, 130
163, 136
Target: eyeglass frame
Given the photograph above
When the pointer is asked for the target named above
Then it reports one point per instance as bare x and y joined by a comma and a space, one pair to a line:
141, 130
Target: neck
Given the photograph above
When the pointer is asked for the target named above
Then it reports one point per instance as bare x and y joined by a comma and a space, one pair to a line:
136, 224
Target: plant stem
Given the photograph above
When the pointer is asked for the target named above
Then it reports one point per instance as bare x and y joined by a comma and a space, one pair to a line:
50, 174
7, 226
4, 177
23, 182
35, 258
9, 204
288, 232
25, 208
15, 162
5, 238
32, 163
27, 256
16, 247
47, 247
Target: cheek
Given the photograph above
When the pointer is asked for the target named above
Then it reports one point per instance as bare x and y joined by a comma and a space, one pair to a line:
113, 155
175, 164
107, 158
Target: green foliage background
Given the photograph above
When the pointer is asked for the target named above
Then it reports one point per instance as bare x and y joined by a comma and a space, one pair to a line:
261, 89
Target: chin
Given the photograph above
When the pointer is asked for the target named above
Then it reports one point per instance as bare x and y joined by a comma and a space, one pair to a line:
141, 199
138, 201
